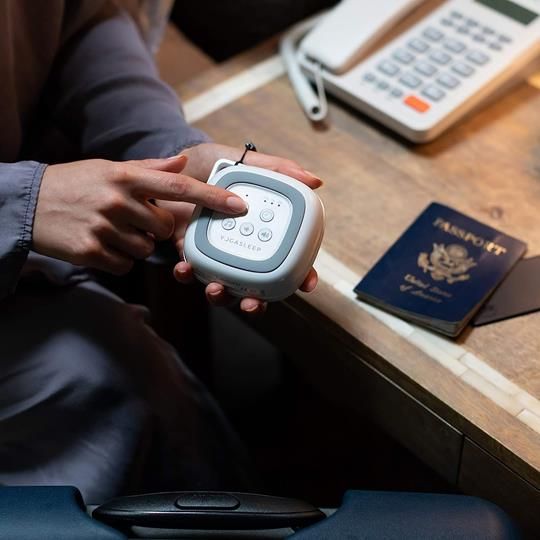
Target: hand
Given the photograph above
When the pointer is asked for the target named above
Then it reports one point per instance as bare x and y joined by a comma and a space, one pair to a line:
201, 160
97, 213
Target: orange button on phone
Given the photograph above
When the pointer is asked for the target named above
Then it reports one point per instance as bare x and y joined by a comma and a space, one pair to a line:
416, 103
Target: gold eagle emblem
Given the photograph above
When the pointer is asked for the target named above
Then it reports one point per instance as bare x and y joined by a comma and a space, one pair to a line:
449, 263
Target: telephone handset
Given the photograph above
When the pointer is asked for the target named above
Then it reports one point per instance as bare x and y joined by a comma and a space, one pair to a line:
428, 77
350, 29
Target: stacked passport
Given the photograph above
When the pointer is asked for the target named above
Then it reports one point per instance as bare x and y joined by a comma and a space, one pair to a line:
441, 270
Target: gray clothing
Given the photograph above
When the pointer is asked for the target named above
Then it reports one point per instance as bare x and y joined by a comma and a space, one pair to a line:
86, 71
89, 394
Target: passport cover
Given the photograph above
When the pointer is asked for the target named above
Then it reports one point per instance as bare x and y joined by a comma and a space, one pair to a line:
441, 269
518, 294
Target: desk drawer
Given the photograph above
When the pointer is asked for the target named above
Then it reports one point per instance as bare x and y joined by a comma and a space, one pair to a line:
344, 378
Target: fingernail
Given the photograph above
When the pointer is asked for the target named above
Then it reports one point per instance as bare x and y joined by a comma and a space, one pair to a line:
314, 176
236, 204
178, 156
251, 306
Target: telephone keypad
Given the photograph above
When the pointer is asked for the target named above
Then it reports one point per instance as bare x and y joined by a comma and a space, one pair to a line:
463, 43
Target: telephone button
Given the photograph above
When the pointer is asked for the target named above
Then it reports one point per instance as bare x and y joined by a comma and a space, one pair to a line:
433, 92
388, 68
246, 228
416, 103
228, 224
433, 34
403, 56
410, 80
418, 45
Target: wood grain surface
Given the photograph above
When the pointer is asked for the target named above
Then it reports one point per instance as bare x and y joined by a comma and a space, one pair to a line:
488, 167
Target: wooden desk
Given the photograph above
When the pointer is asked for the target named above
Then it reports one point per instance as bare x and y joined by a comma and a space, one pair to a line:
469, 408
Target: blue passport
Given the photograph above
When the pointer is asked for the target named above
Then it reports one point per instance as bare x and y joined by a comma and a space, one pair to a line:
441, 270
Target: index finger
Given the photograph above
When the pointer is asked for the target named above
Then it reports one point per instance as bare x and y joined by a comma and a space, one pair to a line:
178, 187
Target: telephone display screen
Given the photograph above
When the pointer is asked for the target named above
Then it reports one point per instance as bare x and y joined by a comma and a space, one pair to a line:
511, 9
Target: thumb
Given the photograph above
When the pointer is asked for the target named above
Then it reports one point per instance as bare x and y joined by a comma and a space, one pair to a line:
174, 164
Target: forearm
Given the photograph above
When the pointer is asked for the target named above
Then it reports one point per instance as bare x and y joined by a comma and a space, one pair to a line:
19, 188
107, 95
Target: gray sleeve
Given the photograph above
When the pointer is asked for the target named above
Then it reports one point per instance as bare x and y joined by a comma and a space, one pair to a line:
107, 97
19, 188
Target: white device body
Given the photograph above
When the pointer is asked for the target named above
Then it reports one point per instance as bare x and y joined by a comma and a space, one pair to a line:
350, 28
471, 47
266, 253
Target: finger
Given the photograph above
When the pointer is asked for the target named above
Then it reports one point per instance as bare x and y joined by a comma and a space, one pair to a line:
131, 242
217, 295
150, 218
284, 166
178, 187
310, 282
110, 260
174, 164
183, 272
253, 305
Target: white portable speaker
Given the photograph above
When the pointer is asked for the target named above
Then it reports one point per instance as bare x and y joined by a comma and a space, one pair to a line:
265, 253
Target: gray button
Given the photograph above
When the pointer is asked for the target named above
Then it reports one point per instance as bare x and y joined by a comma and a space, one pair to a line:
478, 57
447, 22
463, 69
403, 56
418, 45
440, 57
454, 45
389, 68
207, 501
463, 29
383, 85
369, 77
488, 31
433, 92
456, 15
479, 38
448, 80
228, 223
505, 39
425, 69
471, 22
265, 235
246, 228
433, 34
396, 92
266, 215
410, 80
495, 46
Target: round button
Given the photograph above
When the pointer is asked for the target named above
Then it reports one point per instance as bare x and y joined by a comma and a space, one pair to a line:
265, 235
246, 229
267, 215
228, 223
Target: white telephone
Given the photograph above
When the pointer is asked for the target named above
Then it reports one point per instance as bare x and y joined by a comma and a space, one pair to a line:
424, 80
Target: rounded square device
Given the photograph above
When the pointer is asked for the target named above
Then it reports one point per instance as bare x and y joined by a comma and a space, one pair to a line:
265, 253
